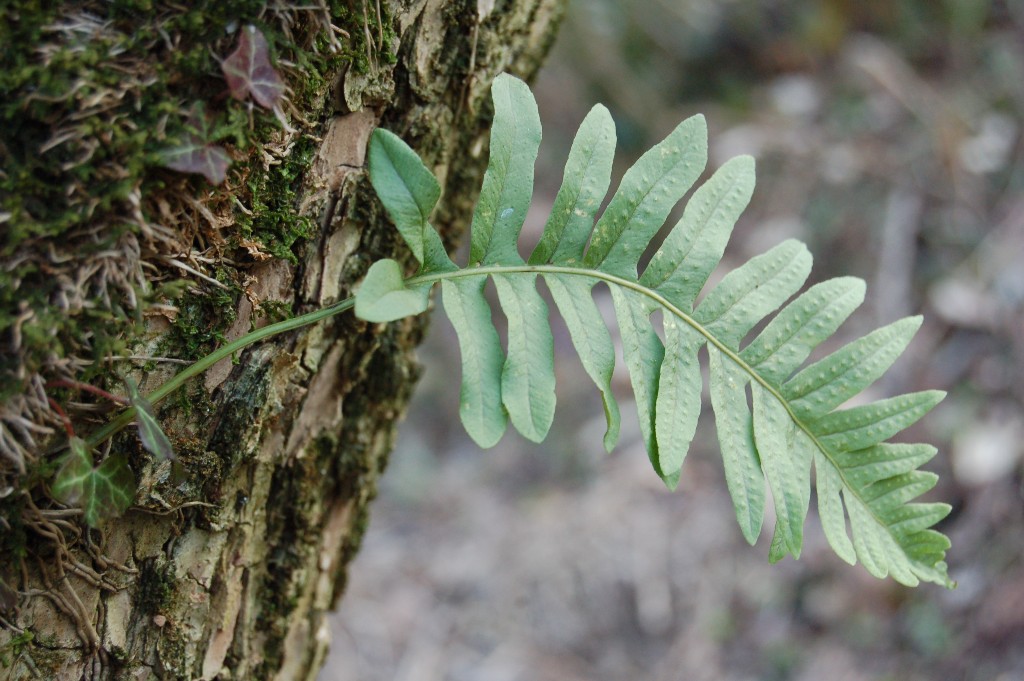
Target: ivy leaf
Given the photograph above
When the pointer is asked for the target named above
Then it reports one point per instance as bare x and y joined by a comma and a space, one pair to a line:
194, 153
150, 432
194, 156
247, 70
101, 492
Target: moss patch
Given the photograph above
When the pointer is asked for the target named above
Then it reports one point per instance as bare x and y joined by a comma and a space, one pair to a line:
96, 236
89, 217
156, 586
91, 224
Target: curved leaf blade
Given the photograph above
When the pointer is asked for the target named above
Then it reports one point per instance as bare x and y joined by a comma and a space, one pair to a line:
866, 466
785, 453
408, 190
867, 425
585, 182
643, 352
384, 297
508, 181
150, 432
824, 385
645, 196
830, 508
678, 405
480, 406
593, 343
528, 375
910, 519
801, 326
694, 247
734, 424
748, 294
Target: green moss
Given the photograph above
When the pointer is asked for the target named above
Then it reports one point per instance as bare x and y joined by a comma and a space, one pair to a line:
273, 311
13, 649
156, 586
202, 319
195, 475
238, 412
173, 652
83, 195
118, 656
85, 186
34, 655
274, 219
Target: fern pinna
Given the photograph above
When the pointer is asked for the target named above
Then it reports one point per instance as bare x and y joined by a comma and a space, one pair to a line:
795, 421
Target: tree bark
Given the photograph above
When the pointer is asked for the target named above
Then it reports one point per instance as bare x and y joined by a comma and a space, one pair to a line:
229, 572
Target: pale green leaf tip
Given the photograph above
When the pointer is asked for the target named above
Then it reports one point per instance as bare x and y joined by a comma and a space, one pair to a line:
609, 441
671, 480
751, 533
743, 162
482, 438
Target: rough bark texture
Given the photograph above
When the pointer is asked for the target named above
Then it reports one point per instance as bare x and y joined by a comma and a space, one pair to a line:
285, 444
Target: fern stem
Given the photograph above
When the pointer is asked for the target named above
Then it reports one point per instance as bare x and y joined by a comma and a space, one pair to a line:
201, 365
179, 379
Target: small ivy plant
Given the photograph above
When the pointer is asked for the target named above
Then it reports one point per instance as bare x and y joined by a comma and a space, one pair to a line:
864, 485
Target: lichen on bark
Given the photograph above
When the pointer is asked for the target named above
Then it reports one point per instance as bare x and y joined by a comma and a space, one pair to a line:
225, 568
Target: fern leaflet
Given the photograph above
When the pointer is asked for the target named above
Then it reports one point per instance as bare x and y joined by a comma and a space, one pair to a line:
864, 485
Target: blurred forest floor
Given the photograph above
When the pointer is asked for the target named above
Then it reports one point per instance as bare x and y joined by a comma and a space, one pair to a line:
888, 137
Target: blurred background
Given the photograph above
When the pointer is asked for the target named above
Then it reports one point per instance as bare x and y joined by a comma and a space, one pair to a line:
888, 138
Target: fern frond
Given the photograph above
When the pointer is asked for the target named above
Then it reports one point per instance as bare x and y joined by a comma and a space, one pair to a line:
865, 486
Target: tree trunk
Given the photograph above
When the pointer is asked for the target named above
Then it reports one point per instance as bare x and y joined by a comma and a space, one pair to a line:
228, 571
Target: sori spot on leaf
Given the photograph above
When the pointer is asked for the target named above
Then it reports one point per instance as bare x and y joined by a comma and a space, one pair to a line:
797, 426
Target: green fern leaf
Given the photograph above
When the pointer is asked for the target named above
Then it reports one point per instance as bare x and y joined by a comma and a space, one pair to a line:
736, 439
591, 339
406, 186
480, 400
643, 354
508, 183
587, 175
528, 375
383, 296
865, 486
